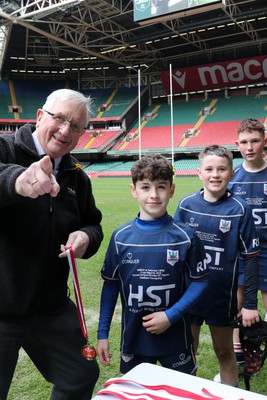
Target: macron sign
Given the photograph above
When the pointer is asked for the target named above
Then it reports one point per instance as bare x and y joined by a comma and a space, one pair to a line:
230, 73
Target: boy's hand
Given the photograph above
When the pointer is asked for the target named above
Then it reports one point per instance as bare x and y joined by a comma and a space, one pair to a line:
249, 317
103, 351
156, 323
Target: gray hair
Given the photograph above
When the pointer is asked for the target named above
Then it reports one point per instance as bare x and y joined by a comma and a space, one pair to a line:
73, 95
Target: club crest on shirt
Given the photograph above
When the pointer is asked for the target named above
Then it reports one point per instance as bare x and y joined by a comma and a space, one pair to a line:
225, 225
172, 256
265, 188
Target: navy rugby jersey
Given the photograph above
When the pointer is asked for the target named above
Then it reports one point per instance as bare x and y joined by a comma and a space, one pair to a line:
252, 187
152, 267
226, 228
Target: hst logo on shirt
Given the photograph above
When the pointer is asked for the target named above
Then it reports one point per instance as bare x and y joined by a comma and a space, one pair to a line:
265, 188
172, 256
159, 296
224, 225
213, 257
260, 216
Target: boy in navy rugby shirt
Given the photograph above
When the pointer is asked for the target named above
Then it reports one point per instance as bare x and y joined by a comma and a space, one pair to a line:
148, 262
250, 182
224, 224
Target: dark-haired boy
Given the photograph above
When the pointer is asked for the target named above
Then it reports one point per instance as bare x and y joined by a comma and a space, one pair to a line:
148, 262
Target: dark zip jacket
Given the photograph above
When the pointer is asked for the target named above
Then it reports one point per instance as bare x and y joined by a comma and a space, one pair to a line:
33, 279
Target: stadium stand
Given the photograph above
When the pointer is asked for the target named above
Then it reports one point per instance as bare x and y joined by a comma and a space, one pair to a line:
111, 103
97, 139
196, 123
99, 97
35, 95
218, 126
5, 101
238, 107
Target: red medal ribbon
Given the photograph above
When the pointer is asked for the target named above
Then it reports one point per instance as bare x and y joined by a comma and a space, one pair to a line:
87, 351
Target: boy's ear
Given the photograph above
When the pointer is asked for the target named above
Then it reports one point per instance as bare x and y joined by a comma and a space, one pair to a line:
133, 190
199, 173
172, 190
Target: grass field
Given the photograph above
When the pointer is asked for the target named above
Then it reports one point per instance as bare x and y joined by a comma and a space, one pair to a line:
114, 199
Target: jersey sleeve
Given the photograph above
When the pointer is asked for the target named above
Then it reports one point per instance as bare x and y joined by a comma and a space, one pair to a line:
249, 240
197, 268
249, 249
109, 269
191, 295
109, 296
251, 282
178, 214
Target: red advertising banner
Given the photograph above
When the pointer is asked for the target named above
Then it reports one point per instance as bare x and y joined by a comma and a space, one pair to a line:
218, 75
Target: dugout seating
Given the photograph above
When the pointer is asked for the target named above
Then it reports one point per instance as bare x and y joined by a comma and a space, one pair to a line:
187, 167
184, 167
109, 168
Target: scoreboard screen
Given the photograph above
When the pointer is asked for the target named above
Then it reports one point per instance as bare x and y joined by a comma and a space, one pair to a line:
147, 11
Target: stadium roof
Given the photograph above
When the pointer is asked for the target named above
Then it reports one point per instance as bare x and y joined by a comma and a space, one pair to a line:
98, 44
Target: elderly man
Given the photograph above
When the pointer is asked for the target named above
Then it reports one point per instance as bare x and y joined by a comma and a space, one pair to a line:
45, 209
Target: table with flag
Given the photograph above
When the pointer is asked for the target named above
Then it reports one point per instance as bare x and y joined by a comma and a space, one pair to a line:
153, 382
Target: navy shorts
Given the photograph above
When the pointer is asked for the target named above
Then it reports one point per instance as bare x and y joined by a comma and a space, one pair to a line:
182, 362
198, 320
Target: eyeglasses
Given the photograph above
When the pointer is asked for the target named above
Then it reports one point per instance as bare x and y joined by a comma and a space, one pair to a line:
62, 121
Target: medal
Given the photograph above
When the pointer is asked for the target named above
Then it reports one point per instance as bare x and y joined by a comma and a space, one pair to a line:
88, 352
